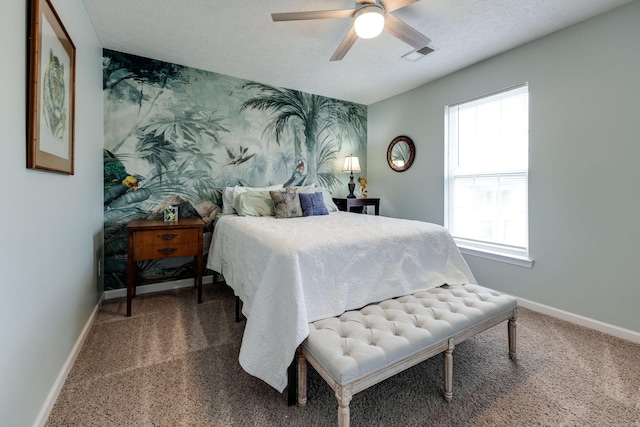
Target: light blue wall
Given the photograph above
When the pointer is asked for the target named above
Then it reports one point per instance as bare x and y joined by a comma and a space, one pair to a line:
52, 224
584, 188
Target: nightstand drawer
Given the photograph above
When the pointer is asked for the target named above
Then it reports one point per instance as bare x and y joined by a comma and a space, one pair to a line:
164, 243
165, 237
166, 250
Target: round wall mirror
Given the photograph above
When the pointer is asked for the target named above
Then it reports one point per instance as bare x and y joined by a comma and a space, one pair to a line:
401, 153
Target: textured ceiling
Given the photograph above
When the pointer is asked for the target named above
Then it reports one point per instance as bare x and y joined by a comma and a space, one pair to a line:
238, 38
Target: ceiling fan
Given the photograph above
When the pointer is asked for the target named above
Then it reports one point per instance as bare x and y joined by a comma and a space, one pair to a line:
371, 18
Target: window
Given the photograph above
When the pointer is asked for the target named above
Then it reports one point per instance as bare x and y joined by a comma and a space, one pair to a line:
486, 182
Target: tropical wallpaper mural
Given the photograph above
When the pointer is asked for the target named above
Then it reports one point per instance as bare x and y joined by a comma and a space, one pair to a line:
178, 135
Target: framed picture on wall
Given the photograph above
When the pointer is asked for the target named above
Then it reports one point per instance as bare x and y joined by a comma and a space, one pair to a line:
51, 88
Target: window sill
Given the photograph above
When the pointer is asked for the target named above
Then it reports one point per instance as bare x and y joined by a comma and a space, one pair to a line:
493, 256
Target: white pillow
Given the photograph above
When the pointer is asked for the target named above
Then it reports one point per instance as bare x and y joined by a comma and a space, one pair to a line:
230, 193
254, 203
305, 188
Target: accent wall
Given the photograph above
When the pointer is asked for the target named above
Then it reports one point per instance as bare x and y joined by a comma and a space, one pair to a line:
178, 135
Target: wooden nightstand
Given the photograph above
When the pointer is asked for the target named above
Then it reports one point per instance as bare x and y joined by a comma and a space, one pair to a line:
159, 239
348, 205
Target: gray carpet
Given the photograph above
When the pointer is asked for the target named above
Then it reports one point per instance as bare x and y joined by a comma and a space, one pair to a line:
175, 363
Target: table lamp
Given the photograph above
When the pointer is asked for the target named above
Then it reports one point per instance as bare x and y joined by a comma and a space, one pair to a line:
351, 164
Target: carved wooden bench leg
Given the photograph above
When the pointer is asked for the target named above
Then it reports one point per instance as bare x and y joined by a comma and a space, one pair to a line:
344, 395
448, 371
302, 379
512, 334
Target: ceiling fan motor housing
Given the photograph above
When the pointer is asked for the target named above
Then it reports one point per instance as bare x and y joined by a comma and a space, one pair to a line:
369, 21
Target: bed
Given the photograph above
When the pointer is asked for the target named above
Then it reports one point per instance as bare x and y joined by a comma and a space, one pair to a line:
290, 272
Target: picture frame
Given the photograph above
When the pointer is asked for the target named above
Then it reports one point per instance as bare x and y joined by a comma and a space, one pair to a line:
171, 214
51, 89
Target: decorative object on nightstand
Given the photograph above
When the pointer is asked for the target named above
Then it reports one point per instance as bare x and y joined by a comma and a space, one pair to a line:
401, 153
159, 239
363, 187
356, 204
171, 214
351, 164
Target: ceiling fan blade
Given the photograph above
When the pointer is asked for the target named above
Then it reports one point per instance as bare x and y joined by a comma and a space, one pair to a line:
318, 14
391, 5
404, 32
345, 45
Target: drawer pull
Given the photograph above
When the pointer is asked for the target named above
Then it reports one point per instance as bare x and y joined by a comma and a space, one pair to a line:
167, 236
167, 251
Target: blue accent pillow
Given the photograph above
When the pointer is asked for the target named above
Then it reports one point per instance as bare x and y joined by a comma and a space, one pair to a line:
313, 204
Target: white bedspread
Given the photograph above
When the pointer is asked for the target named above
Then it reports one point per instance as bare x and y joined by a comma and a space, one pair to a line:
289, 272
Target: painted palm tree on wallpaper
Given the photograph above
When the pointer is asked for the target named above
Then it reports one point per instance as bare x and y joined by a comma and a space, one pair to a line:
325, 123
176, 147
181, 137
140, 81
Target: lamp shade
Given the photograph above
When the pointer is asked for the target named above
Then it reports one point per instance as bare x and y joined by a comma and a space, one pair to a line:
351, 164
369, 21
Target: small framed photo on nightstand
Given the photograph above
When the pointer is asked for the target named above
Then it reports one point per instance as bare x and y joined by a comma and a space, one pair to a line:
171, 214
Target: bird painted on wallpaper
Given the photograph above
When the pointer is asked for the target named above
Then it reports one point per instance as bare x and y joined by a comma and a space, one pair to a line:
115, 172
298, 176
53, 95
239, 159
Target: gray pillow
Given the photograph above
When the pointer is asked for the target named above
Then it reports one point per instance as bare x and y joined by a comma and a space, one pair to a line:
286, 203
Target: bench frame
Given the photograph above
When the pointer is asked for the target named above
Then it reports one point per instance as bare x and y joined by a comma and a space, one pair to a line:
344, 392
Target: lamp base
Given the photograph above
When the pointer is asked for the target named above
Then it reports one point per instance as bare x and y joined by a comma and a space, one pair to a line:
352, 186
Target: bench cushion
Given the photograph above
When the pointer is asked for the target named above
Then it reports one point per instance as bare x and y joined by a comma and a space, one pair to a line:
359, 342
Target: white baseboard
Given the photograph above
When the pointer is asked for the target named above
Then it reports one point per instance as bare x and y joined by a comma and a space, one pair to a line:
43, 415
606, 328
156, 287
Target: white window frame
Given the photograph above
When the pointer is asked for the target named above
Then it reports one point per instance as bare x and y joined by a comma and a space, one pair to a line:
497, 252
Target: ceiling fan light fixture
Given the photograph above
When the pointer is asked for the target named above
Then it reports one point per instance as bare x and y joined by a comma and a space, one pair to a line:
369, 21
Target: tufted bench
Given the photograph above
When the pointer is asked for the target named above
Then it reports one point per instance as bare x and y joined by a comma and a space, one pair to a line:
362, 347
